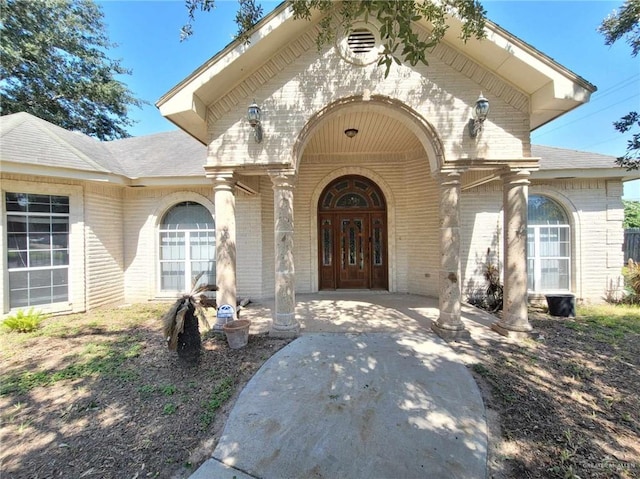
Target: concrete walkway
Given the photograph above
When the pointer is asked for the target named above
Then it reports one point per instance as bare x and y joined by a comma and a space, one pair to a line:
367, 391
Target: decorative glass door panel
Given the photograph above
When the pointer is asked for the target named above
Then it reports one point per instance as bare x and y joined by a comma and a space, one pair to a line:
378, 251
352, 235
354, 258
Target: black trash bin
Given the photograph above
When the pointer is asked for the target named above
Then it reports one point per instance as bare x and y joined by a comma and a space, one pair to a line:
563, 305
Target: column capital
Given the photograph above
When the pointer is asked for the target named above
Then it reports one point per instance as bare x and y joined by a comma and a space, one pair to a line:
516, 176
222, 178
283, 178
449, 177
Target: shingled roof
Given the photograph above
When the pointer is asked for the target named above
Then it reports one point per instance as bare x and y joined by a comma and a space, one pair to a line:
552, 158
26, 139
172, 153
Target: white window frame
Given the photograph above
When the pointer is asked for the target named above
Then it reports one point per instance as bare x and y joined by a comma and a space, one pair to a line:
536, 231
187, 260
28, 269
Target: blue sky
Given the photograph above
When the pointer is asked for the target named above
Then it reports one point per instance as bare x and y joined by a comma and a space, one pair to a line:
147, 34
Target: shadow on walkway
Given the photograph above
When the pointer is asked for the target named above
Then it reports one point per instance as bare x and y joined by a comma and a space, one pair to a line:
367, 390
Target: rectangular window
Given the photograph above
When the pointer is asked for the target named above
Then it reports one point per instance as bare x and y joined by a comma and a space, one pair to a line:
37, 249
184, 254
548, 258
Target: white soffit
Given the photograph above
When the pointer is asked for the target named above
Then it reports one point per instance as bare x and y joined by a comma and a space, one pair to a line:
186, 104
553, 89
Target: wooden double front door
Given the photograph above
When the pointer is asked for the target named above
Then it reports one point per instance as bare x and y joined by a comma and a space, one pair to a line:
352, 235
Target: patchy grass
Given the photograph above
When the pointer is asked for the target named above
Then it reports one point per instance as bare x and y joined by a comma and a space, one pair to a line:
614, 321
220, 394
100, 395
569, 403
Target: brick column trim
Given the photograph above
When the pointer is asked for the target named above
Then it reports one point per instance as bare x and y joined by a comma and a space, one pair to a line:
284, 323
449, 325
515, 317
225, 221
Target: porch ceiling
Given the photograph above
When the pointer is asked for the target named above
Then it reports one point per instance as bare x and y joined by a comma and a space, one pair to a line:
376, 133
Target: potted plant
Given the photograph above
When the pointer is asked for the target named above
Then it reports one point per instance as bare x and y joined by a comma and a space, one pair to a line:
180, 323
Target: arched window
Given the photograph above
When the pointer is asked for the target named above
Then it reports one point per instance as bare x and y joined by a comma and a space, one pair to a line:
187, 247
548, 246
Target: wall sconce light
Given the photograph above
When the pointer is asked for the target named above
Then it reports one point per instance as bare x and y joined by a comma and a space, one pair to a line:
480, 112
350, 132
254, 115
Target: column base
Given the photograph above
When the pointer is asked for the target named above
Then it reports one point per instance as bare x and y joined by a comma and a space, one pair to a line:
283, 333
450, 334
219, 324
510, 333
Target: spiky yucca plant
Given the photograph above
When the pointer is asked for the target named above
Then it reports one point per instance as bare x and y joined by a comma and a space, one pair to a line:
632, 281
180, 323
494, 288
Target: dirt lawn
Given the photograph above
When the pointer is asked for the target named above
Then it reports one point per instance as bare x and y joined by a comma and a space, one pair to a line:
566, 405
98, 395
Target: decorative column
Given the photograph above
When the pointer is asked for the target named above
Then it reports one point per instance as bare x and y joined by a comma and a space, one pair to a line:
449, 325
225, 221
515, 318
284, 317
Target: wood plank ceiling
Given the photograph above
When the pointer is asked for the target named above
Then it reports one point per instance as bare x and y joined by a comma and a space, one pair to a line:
377, 133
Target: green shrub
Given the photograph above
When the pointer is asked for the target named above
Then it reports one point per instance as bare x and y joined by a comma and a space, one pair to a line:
22, 322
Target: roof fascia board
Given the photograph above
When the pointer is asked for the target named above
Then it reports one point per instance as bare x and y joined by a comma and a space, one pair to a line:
509, 39
61, 172
11, 167
554, 91
587, 173
219, 62
170, 181
238, 60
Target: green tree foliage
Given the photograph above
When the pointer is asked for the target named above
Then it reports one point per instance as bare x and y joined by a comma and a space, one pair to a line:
625, 23
54, 66
631, 214
402, 43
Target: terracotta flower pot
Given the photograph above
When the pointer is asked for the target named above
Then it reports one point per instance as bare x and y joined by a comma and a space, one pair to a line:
237, 333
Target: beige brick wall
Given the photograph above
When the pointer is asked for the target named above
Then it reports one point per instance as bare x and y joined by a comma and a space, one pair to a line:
111, 264
480, 230
268, 245
145, 208
293, 86
104, 243
412, 218
421, 212
595, 211
250, 247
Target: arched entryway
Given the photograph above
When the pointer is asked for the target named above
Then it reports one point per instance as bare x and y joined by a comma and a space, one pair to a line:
352, 235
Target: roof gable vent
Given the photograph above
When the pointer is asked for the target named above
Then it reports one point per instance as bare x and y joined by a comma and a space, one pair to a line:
361, 45
361, 40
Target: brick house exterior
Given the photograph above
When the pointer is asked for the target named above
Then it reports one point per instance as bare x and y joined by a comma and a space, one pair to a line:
423, 201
